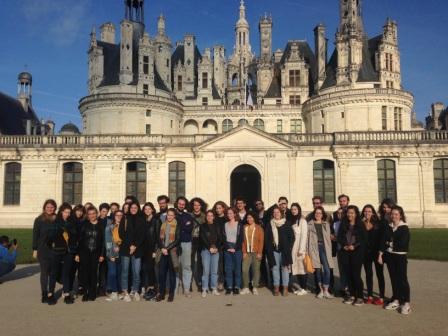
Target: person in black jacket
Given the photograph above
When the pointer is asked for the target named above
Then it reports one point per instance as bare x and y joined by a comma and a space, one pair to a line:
132, 235
395, 247
78, 218
90, 253
279, 240
152, 227
211, 239
353, 240
371, 223
220, 209
43, 224
169, 242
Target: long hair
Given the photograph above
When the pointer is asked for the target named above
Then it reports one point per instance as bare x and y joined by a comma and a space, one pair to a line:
150, 205
223, 205
390, 204
324, 214
278, 208
199, 200
122, 220
139, 211
254, 216
64, 206
401, 211
375, 218
44, 215
297, 205
81, 208
358, 221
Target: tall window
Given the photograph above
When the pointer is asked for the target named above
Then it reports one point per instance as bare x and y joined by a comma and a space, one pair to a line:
279, 126
204, 101
179, 83
296, 126
441, 180
148, 129
11, 191
324, 180
136, 180
146, 65
294, 100
205, 80
227, 125
294, 78
389, 62
145, 89
259, 123
167, 62
384, 118
176, 181
242, 122
72, 183
398, 123
387, 183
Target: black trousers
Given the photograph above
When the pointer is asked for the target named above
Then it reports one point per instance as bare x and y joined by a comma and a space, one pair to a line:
46, 265
352, 262
369, 260
148, 273
196, 262
166, 267
397, 265
68, 276
102, 277
89, 270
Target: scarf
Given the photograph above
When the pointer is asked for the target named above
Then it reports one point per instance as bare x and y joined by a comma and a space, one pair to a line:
172, 233
275, 225
115, 235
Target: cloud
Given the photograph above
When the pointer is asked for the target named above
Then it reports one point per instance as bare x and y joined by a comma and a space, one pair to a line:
58, 22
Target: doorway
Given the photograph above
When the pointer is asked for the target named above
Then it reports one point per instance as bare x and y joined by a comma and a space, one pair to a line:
245, 182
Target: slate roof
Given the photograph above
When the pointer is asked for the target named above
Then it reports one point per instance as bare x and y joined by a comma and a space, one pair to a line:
13, 116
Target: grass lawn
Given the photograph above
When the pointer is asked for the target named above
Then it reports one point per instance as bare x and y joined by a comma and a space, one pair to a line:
426, 244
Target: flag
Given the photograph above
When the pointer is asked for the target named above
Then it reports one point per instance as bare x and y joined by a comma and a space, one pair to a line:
249, 100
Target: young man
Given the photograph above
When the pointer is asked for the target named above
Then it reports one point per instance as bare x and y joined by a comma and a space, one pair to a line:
265, 274
163, 202
198, 208
103, 221
344, 202
319, 202
8, 255
240, 204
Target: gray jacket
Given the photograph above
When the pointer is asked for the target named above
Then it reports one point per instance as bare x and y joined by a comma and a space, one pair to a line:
313, 247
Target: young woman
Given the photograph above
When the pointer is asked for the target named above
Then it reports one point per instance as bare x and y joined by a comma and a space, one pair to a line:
198, 208
343, 284
43, 225
90, 253
232, 245
394, 254
79, 216
352, 237
125, 208
112, 243
300, 228
279, 241
152, 227
132, 235
210, 246
253, 245
220, 209
371, 223
169, 241
319, 250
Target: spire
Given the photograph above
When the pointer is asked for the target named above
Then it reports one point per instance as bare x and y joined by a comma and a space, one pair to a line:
161, 25
134, 10
93, 42
351, 17
242, 10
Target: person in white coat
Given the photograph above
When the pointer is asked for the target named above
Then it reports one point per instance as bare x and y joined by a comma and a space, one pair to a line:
300, 228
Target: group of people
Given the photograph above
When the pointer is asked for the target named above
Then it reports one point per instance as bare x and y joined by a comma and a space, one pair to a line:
133, 252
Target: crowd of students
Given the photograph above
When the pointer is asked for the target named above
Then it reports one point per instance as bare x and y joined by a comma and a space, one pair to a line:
133, 252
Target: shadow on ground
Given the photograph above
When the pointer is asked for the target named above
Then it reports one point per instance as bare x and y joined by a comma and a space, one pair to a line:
21, 273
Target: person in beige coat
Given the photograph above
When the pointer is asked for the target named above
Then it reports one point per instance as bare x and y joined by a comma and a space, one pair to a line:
319, 250
300, 228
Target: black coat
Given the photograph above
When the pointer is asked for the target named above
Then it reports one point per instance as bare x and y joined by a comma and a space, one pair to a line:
42, 229
360, 233
91, 239
132, 232
56, 238
206, 236
285, 243
152, 229
398, 240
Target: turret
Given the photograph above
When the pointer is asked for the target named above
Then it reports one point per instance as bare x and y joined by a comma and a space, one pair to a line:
189, 56
321, 54
146, 66
265, 29
108, 33
24, 89
126, 52
219, 68
163, 51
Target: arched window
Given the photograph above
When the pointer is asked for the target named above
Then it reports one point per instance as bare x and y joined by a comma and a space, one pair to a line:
441, 180
176, 182
227, 125
259, 123
136, 180
13, 175
242, 122
72, 183
387, 183
324, 180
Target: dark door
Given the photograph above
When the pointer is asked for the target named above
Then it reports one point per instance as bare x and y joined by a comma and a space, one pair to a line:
245, 182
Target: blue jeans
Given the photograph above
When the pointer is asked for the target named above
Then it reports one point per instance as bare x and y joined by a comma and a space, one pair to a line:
210, 264
277, 269
185, 262
136, 266
113, 275
323, 278
232, 264
6, 268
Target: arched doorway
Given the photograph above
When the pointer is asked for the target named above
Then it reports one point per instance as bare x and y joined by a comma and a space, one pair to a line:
245, 182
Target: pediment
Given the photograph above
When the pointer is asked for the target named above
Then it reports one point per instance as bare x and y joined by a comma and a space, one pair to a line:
244, 138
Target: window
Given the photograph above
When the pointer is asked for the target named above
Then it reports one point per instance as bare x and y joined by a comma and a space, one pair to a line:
441, 180
242, 122
13, 175
398, 124
146, 65
294, 78
322, 114
389, 62
204, 101
387, 185
145, 89
322, 128
389, 84
176, 181
167, 62
296, 126
384, 118
179, 83
259, 123
278, 102
227, 125
205, 80
342, 115
279, 126
324, 180
72, 183
294, 100
171, 123
148, 113
136, 180
148, 129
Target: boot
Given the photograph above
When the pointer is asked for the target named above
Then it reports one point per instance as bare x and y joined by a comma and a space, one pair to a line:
285, 291
44, 297
276, 290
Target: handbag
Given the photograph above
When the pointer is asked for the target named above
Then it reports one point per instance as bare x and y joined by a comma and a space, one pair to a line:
308, 263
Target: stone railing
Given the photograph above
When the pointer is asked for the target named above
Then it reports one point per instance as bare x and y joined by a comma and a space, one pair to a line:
330, 139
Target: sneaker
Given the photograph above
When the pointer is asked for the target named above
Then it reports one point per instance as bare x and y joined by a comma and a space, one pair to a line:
85, 298
245, 291
188, 294
378, 302
112, 297
170, 297
369, 300
358, 302
405, 309
215, 292
394, 305
136, 296
127, 298
44, 297
236, 291
301, 292
328, 295
160, 298
68, 299
320, 295
228, 291
254, 291
204, 293
349, 300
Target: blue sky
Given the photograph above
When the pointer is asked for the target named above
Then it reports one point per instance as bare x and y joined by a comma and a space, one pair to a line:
50, 39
